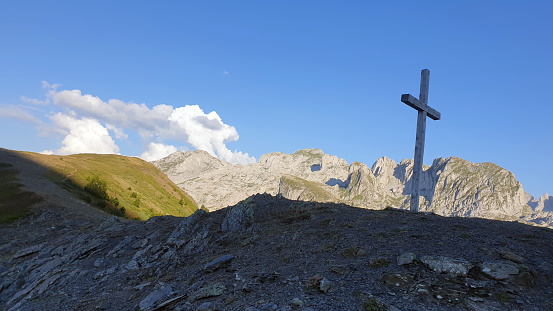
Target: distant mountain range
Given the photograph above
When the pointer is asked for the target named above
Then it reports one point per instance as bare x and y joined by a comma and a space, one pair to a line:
450, 186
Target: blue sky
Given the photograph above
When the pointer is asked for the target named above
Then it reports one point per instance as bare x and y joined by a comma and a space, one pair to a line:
245, 78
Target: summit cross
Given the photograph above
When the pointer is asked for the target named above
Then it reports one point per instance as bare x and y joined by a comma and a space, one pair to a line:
424, 110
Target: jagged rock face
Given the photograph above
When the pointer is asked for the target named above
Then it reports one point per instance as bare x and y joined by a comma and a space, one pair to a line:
362, 188
449, 187
181, 166
462, 188
543, 204
220, 185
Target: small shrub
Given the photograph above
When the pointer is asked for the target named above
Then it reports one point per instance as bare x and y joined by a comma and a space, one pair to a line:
379, 262
122, 210
97, 187
130, 189
114, 201
325, 223
136, 202
350, 251
372, 305
314, 282
134, 195
503, 297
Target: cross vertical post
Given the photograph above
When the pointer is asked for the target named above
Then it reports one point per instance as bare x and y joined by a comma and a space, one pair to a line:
424, 110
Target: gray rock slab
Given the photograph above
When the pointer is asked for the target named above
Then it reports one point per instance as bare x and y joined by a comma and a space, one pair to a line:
218, 262
180, 235
155, 298
28, 251
443, 264
406, 259
210, 291
499, 270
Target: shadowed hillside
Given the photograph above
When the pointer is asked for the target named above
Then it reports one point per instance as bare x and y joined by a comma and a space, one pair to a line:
124, 186
269, 253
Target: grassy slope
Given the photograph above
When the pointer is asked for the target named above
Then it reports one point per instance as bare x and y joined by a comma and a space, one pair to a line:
311, 190
124, 176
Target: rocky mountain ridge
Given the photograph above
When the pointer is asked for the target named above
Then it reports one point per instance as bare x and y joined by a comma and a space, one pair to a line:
449, 187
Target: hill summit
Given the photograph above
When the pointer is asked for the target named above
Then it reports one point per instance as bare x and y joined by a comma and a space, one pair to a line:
449, 187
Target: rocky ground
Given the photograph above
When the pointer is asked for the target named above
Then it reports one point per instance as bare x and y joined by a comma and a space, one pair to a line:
268, 253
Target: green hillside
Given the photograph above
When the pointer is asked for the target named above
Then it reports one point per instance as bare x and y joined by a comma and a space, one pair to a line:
124, 186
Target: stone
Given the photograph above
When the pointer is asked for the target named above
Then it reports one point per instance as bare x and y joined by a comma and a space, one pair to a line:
406, 259
525, 278
499, 270
155, 298
124, 243
210, 291
206, 306
443, 264
270, 306
218, 263
340, 269
132, 265
140, 243
189, 224
99, 262
28, 251
111, 224
325, 285
511, 256
247, 287
141, 286
398, 279
239, 217
314, 282
296, 302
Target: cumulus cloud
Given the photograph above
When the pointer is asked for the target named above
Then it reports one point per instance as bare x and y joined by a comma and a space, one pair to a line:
188, 124
84, 135
157, 151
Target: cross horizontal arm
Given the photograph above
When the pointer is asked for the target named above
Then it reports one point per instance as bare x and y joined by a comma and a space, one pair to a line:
415, 103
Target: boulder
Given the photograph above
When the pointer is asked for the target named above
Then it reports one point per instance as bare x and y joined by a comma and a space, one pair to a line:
443, 264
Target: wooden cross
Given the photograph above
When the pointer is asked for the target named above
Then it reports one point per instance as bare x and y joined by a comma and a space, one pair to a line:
424, 110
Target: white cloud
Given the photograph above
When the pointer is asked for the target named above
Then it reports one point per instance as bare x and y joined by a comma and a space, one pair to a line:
125, 115
188, 124
225, 72
85, 135
157, 151
35, 101
208, 132
16, 112
119, 133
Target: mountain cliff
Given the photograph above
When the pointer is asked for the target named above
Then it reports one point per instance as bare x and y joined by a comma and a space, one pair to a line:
449, 187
